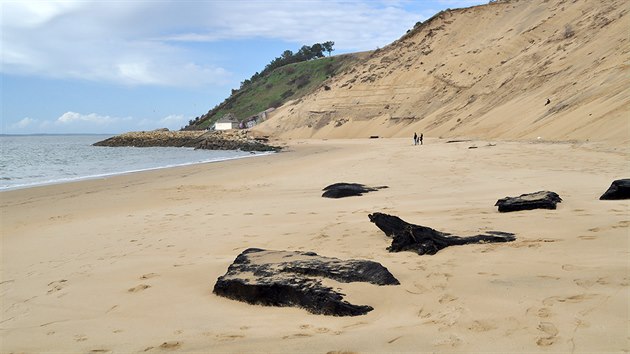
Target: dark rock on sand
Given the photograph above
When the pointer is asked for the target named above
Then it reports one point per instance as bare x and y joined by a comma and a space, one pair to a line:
538, 200
341, 190
425, 240
285, 278
619, 189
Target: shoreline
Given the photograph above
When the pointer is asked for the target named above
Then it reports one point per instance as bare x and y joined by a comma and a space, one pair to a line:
112, 174
93, 265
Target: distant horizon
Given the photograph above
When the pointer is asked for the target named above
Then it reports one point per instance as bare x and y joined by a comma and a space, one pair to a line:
75, 67
55, 134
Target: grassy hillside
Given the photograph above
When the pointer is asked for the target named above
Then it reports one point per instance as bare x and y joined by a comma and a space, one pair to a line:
283, 84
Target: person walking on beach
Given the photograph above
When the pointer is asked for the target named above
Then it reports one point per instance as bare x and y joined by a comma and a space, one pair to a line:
420, 138
415, 139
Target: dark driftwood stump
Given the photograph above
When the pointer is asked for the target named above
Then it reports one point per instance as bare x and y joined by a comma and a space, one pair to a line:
425, 240
341, 190
538, 200
619, 189
286, 278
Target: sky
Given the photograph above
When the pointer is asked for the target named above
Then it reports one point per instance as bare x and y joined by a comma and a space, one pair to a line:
107, 67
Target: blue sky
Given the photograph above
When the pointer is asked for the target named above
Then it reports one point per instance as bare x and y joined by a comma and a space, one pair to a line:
78, 66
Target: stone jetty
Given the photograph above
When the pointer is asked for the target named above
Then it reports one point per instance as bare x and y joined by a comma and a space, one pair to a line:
209, 140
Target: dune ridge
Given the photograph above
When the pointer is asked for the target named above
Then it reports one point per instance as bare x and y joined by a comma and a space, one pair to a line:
484, 72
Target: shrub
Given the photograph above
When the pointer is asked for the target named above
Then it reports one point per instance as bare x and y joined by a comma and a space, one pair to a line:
302, 81
568, 31
286, 94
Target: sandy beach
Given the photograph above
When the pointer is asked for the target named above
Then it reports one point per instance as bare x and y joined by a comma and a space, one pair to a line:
128, 263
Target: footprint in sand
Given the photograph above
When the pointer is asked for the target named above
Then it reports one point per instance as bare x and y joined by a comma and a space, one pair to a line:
297, 335
550, 331
56, 285
587, 283
422, 313
450, 341
482, 326
170, 345
569, 299
587, 238
447, 298
138, 288
228, 337
543, 312
149, 275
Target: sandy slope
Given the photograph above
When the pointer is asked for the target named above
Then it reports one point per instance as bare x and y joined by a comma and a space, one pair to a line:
127, 264
485, 72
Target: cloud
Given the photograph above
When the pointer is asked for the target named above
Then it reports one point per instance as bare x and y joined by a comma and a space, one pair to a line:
73, 117
353, 25
153, 43
98, 41
173, 120
24, 123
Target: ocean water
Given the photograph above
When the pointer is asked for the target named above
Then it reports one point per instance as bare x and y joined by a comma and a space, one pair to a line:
27, 161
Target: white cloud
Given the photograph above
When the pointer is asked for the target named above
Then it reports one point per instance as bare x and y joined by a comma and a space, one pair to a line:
24, 123
74, 117
173, 119
149, 43
353, 25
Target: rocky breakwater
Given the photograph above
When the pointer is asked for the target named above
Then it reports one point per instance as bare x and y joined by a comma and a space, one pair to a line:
210, 140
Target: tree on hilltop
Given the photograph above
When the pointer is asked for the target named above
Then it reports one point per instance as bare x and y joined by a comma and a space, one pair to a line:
328, 46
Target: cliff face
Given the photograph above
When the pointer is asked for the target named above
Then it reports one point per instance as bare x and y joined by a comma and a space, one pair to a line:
485, 72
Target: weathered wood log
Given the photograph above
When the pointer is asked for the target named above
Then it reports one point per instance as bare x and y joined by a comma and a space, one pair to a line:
341, 190
538, 200
425, 240
285, 278
619, 189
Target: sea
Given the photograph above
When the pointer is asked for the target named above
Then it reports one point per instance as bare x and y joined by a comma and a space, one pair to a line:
35, 160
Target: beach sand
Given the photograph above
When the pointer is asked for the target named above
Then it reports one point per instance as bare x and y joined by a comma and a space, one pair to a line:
128, 263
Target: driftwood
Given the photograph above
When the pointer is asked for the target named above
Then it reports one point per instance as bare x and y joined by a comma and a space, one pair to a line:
286, 278
619, 189
538, 200
425, 240
341, 190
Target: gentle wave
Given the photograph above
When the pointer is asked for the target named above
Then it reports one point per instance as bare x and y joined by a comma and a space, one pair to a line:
105, 175
30, 161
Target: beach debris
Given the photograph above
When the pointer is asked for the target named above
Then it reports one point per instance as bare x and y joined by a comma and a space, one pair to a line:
537, 200
341, 190
425, 240
289, 278
619, 189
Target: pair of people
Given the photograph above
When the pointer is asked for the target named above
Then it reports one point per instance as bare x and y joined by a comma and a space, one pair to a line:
417, 139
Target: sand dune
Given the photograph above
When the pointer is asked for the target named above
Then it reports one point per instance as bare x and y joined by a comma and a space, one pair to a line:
128, 263
484, 72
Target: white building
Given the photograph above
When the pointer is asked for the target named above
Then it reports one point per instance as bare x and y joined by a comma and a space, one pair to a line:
227, 122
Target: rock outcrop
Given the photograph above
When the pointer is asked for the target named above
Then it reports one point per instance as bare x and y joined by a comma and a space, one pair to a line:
619, 189
214, 140
341, 190
285, 278
425, 240
537, 200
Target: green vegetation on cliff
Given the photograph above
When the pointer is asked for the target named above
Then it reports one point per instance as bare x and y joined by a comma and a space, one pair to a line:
274, 88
